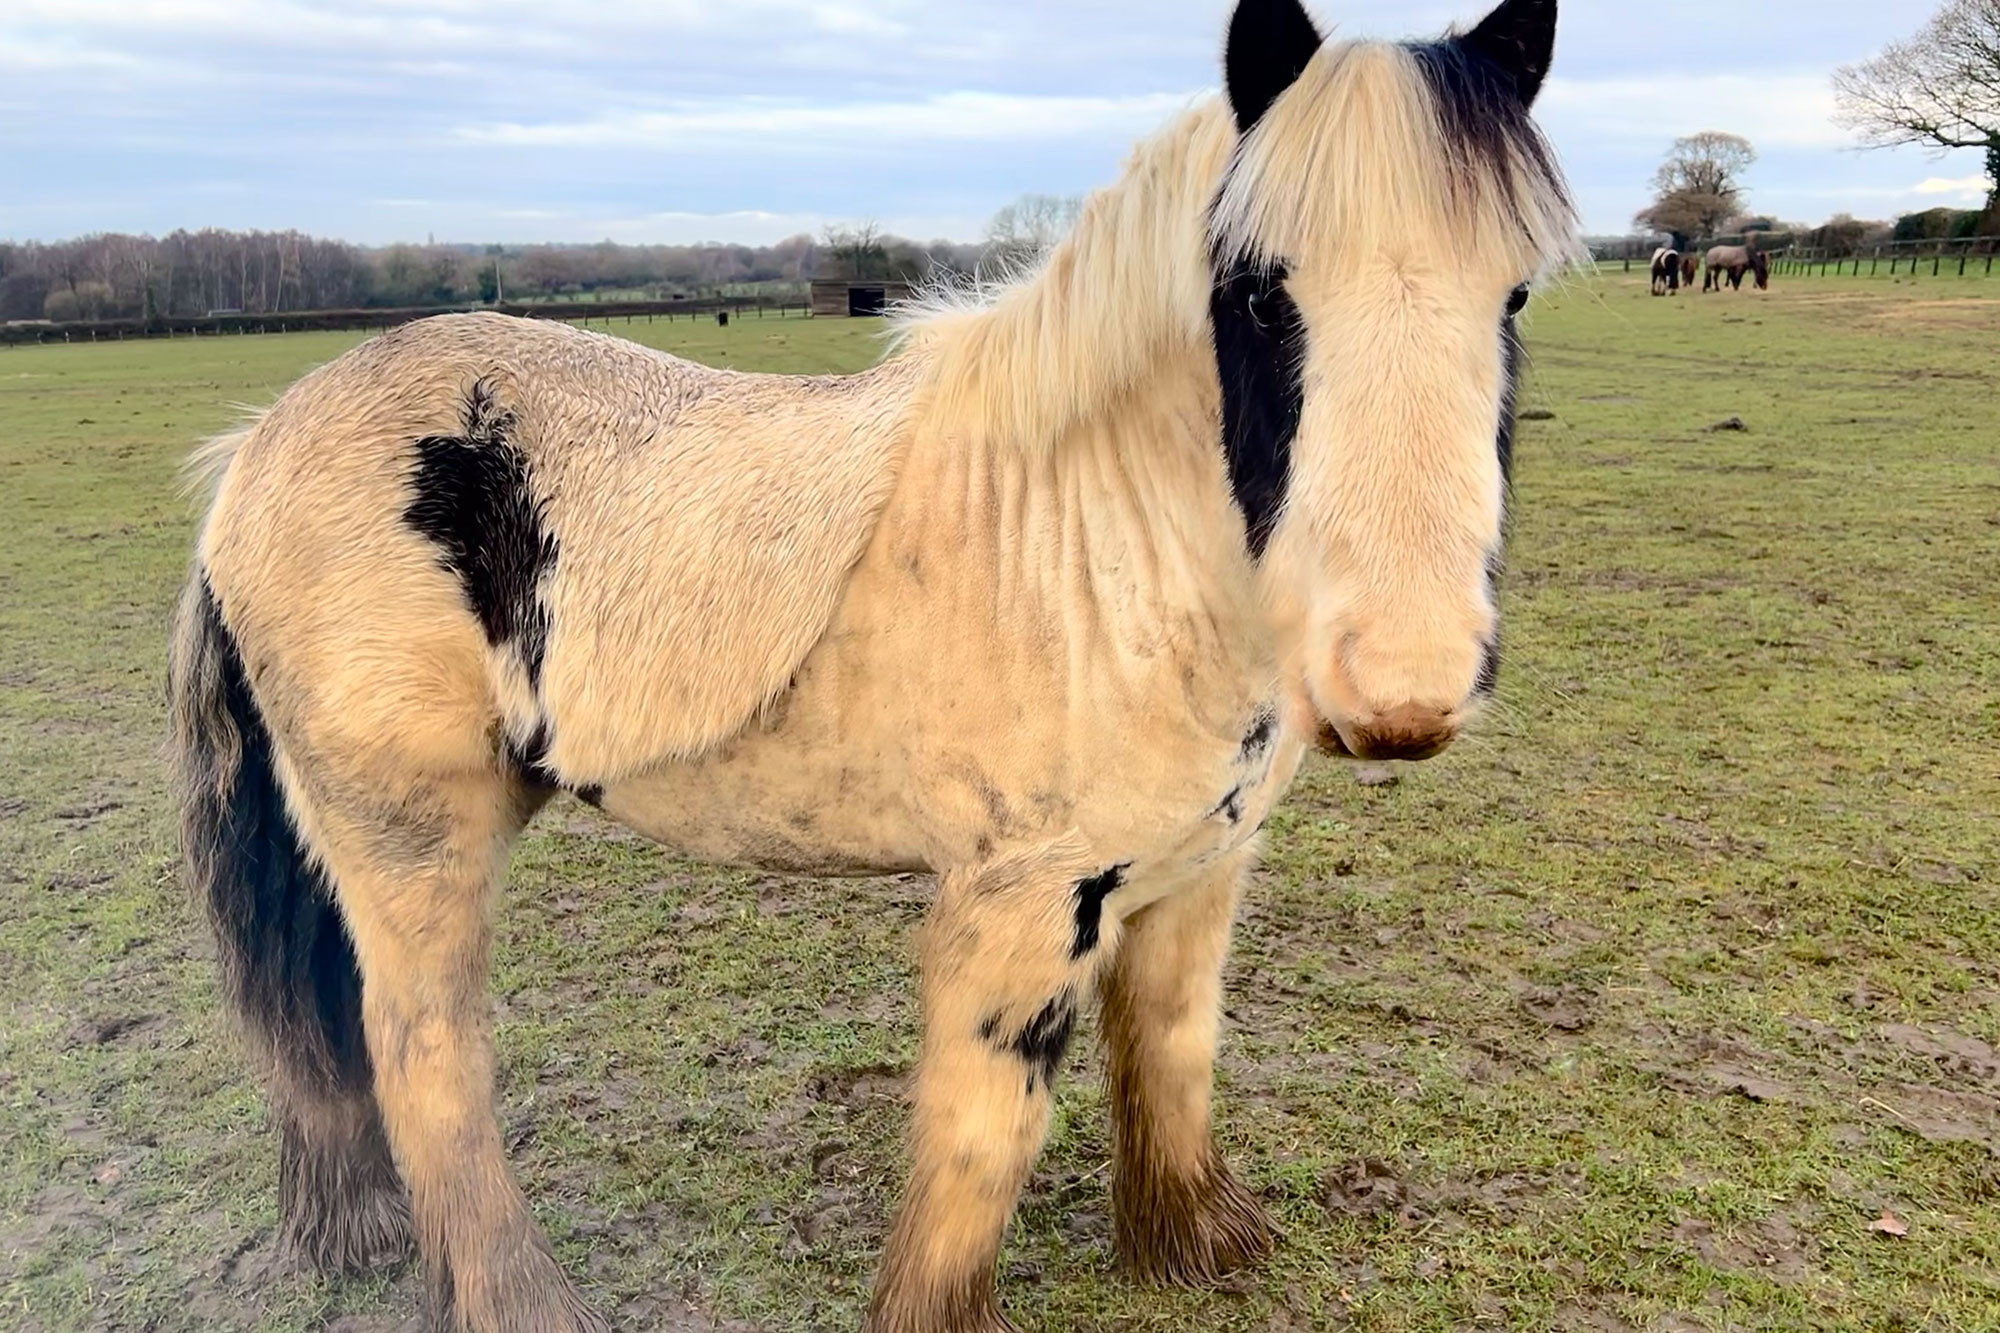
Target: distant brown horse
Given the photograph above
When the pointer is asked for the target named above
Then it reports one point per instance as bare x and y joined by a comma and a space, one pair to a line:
1666, 271
1688, 263
1730, 261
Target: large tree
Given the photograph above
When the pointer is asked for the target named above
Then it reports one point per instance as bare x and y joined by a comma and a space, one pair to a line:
1941, 88
1699, 186
1022, 231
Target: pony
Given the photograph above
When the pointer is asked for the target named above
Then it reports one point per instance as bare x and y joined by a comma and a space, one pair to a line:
1666, 270
1730, 261
1688, 262
1050, 602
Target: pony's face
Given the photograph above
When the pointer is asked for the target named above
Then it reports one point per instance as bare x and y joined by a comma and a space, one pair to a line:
1374, 240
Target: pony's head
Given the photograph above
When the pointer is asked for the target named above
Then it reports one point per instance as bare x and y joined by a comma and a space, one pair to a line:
1373, 240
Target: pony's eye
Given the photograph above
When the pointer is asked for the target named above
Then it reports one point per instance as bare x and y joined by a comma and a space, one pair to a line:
1517, 298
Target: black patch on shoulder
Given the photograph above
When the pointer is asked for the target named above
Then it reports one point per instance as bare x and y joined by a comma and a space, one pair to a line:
1259, 352
988, 1026
591, 795
472, 496
1090, 896
1262, 727
1042, 1043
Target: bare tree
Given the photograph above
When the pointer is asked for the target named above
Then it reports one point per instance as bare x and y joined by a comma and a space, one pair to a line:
1941, 88
1025, 229
1699, 186
857, 250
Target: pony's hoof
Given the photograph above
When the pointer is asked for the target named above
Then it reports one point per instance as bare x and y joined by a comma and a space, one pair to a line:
1192, 1233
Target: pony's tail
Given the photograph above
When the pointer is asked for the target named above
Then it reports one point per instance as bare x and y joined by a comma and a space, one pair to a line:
288, 967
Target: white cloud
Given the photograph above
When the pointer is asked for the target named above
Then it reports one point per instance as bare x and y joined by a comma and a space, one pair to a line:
1776, 110
956, 117
1968, 188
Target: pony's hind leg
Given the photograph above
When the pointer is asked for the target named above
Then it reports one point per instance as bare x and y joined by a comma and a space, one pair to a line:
1180, 1216
418, 903
1008, 950
288, 966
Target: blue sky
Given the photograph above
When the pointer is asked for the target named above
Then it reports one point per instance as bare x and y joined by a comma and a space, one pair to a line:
683, 120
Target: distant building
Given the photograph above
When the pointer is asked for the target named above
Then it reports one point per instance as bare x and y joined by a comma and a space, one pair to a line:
844, 296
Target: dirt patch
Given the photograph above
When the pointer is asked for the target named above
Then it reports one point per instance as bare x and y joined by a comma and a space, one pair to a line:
862, 1088
1564, 1008
1956, 1055
1368, 1187
1771, 1246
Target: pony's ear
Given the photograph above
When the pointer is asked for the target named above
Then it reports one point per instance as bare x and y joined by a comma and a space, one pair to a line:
1518, 37
1270, 42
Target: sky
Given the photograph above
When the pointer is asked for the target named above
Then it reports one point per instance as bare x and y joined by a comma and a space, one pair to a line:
749, 120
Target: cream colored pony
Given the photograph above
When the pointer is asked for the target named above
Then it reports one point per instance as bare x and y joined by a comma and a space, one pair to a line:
1050, 603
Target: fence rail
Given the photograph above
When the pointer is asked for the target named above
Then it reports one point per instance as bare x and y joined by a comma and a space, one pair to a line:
295, 321
1957, 255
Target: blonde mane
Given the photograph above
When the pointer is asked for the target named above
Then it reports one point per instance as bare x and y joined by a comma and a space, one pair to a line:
1359, 149
1024, 360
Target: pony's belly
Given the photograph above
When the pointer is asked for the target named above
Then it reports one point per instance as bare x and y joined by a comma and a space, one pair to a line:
776, 808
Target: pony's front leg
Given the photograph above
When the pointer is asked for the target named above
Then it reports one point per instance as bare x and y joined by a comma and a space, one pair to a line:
1180, 1216
1010, 948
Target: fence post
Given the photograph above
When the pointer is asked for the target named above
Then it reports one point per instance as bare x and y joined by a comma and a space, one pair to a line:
1936, 260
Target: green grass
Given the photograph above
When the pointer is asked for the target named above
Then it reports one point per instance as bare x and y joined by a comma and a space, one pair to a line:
1631, 1012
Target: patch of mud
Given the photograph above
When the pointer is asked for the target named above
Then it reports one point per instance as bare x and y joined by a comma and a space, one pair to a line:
1710, 1066
1371, 1188
1958, 1057
1564, 1008
1771, 1246
861, 1087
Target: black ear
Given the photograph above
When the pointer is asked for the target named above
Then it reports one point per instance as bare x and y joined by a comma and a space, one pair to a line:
1270, 42
1518, 37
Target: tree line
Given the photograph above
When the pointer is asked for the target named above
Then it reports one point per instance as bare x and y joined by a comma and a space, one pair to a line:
117, 276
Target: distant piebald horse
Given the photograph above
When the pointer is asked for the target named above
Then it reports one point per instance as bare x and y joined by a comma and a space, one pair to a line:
1666, 270
1731, 262
1050, 603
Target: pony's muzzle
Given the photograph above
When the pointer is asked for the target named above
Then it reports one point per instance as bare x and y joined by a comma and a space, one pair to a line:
1407, 731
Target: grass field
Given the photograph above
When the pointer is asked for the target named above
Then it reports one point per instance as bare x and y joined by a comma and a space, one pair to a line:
1638, 1010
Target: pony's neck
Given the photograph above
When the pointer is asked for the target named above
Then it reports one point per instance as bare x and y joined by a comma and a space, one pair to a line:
1126, 292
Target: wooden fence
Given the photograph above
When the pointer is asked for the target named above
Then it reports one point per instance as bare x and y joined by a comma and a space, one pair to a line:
1939, 256
296, 321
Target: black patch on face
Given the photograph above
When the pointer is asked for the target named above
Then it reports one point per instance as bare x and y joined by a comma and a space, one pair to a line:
1489, 670
1042, 1043
591, 795
1090, 896
1259, 350
472, 496
1230, 806
1510, 383
1270, 43
988, 1026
